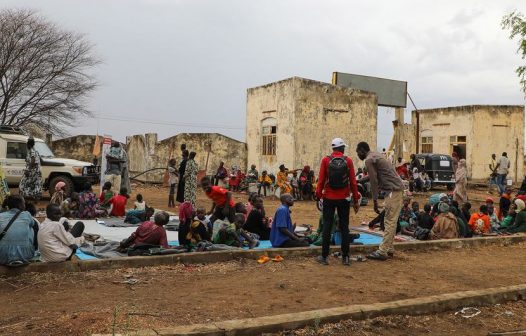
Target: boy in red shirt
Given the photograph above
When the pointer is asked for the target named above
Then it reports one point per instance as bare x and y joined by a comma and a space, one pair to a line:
118, 203
223, 204
479, 222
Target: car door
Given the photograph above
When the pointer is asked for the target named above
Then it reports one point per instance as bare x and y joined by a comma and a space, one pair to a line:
15, 161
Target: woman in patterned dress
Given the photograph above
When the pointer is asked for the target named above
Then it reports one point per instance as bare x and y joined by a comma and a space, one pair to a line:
31, 184
190, 179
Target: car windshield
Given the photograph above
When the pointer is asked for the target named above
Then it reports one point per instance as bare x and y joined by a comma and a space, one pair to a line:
43, 150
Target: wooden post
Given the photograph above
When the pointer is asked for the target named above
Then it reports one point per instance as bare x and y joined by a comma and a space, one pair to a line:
399, 118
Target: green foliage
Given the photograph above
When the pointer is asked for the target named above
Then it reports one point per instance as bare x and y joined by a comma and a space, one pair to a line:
515, 22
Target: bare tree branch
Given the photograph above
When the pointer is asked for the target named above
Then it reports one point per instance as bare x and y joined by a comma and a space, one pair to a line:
45, 72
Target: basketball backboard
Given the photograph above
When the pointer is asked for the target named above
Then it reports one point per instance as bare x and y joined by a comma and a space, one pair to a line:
391, 93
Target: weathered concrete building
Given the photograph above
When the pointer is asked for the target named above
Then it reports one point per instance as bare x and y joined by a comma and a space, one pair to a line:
293, 121
474, 132
146, 152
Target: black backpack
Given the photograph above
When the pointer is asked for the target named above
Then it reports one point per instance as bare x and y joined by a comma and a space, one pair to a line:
338, 172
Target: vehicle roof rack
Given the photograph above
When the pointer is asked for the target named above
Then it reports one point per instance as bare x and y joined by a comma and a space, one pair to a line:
8, 129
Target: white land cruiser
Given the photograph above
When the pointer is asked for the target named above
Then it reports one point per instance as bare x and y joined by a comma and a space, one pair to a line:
13, 151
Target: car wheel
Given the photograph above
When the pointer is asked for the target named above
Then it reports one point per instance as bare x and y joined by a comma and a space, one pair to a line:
70, 187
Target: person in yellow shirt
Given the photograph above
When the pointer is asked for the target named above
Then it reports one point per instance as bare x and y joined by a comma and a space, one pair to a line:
264, 182
282, 181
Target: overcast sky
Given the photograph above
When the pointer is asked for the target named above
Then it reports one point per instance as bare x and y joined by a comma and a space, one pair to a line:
185, 65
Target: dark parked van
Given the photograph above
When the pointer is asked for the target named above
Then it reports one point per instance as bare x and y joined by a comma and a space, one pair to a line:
439, 168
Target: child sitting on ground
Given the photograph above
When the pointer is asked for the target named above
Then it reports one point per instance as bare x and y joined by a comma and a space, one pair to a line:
70, 206
406, 217
234, 235
199, 229
139, 216
118, 203
493, 219
479, 222
140, 204
424, 218
106, 195
294, 183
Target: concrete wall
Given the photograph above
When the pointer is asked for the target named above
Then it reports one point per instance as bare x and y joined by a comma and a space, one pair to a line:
409, 140
309, 115
146, 152
79, 147
488, 129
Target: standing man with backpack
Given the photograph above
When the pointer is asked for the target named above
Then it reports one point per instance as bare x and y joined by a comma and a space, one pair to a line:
383, 176
336, 182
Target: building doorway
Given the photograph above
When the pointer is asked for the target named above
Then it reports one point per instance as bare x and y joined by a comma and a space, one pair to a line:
458, 145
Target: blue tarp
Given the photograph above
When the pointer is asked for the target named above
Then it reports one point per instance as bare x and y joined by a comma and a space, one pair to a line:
365, 238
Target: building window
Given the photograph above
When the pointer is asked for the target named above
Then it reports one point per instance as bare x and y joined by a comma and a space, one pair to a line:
427, 144
268, 137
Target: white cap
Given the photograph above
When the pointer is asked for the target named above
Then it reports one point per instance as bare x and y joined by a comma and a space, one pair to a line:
338, 142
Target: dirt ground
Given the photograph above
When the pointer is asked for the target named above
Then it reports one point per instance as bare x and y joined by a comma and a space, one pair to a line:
101, 301
497, 318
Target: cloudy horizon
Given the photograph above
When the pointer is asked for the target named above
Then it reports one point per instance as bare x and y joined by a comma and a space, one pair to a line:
184, 66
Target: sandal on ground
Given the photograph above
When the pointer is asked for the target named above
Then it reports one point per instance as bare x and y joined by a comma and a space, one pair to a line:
376, 255
263, 259
277, 258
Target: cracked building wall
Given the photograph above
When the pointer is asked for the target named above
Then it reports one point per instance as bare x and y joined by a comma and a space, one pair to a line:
146, 152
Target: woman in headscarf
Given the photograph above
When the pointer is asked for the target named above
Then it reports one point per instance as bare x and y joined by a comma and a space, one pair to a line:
31, 184
58, 195
182, 169
190, 179
461, 180
446, 226
520, 218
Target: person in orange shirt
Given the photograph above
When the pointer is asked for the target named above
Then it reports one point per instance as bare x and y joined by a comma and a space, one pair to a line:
479, 222
282, 180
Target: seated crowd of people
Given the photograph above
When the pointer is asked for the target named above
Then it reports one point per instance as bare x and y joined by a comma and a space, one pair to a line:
24, 239
445, 219
301, 185
228, 223
236, 224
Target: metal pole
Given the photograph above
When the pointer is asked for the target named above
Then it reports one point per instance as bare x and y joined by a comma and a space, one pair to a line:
417, 124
